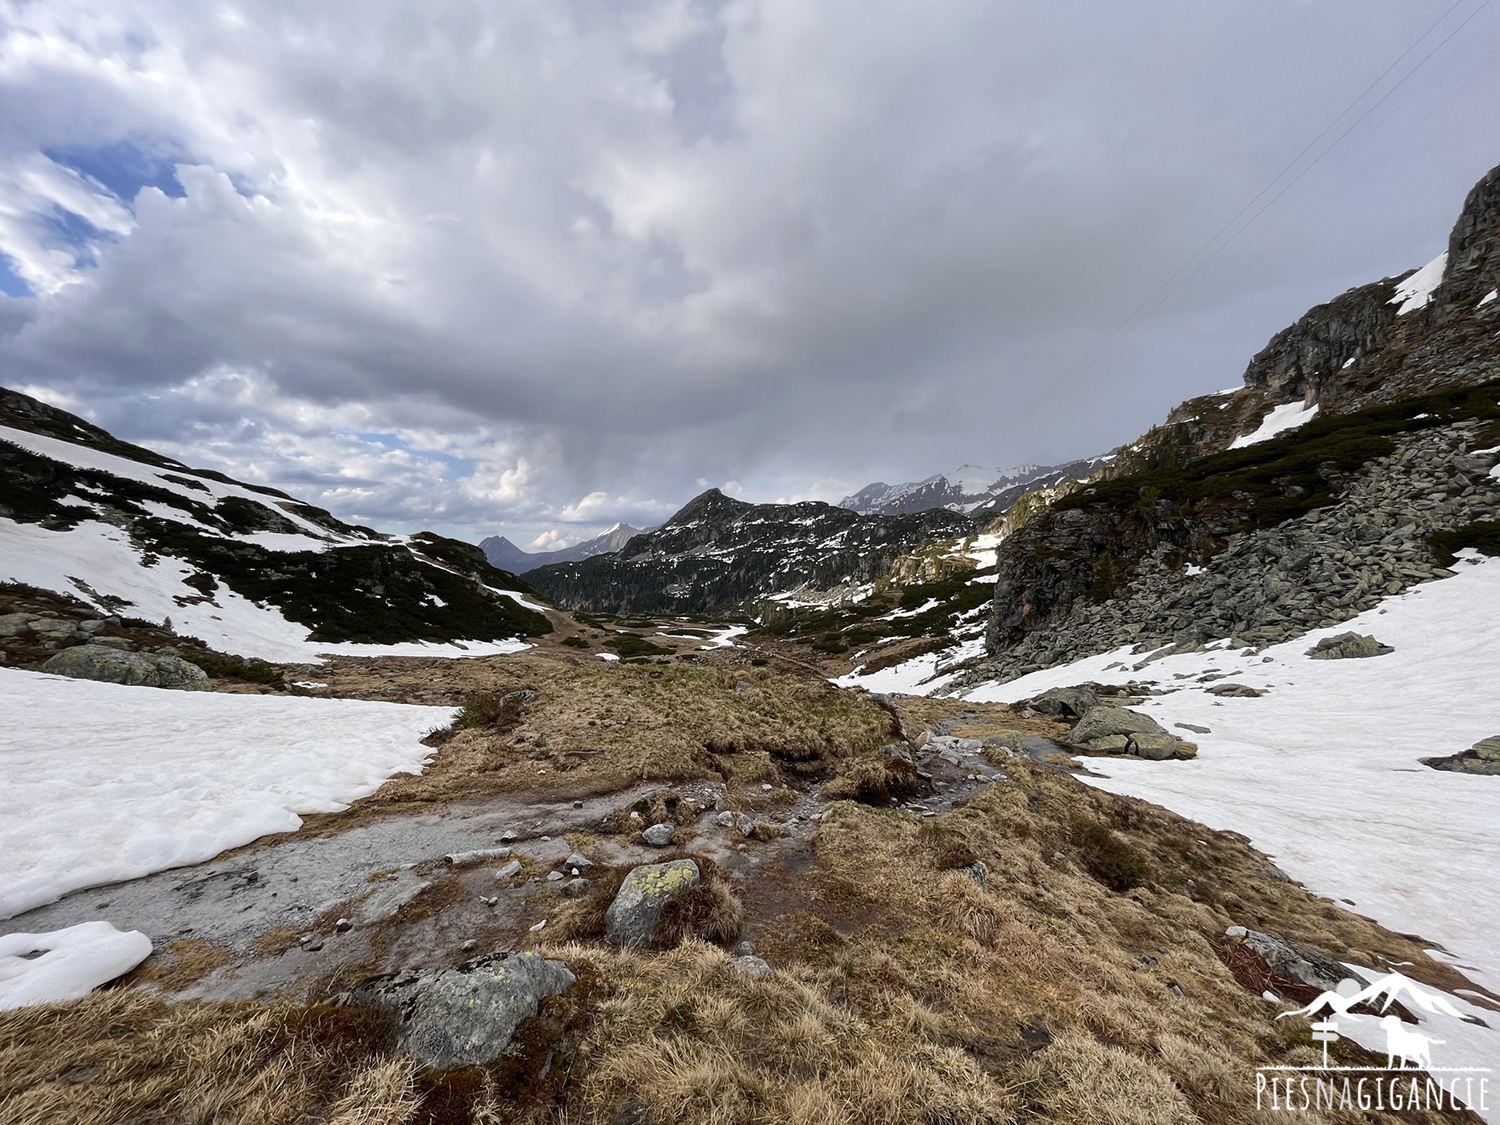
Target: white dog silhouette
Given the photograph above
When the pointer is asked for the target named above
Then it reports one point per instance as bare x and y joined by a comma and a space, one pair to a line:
1412, 1048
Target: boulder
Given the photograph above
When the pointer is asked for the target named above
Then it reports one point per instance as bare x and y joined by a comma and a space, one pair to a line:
1487, 748
750, 965
1293, 960
1110, 744
659, 835
1155, 747
1347, 646
14, 624
111, 665
1070, 702
464, 1016
631, 919
1107, 719
577, 860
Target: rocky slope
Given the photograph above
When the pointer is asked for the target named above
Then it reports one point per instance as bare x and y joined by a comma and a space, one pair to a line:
719, 555
502, 553
249, 569
978, 492
1209, 528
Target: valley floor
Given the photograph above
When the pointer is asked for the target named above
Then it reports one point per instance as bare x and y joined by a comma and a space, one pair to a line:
1083, 976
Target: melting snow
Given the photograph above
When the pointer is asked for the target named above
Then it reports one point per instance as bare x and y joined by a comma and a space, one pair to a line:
105, 782
1416, 290
1323, 770
1490, 296
72, 962
1286, 417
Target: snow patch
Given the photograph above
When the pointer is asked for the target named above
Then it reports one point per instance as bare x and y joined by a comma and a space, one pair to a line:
105, 782
1414, 293
72, 964
1488, 297
1285, 417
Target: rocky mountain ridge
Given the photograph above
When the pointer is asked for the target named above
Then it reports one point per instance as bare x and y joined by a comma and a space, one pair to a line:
502, 553
136, 534
974, 490
718, 554
1187, 538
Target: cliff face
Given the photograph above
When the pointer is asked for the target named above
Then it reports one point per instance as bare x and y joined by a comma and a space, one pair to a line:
1425, 333
718, 553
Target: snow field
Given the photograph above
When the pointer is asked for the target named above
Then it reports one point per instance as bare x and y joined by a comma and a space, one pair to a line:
1322, 772
105, 782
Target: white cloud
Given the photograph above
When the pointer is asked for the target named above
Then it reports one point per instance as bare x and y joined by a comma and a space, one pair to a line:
479, 265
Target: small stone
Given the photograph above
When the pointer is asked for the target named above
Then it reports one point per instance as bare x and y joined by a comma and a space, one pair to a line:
539, 927
510, 870
576, 888
744, 949
554, 877
750, 965
343, 925
468, 946
659, 835
725, 819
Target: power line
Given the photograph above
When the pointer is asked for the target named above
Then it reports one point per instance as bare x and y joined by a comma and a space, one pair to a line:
1166, 290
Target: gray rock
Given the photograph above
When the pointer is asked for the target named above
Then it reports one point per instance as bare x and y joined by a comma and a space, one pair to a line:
632, 917
1110, 744
1107, 719
54, 628
110, 665
468, 859
751, 965
464, 1016
510, 870
1155, 747
576, 888
979, 871
575, 859
1008, 744
894, 752
1072, 702
744, 824
14, 624
744, 949
1488, 748
123, 643
1348, 646
1298, 962
725, 819
659, 835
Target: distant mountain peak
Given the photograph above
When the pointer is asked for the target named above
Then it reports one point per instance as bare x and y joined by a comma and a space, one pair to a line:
506, 555
973, 489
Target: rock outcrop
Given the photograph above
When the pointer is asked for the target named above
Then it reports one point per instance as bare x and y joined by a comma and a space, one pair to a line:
464, 1016
114, 666
632, 917
720, 554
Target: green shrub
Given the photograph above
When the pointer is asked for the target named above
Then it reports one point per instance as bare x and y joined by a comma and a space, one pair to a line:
575, 642
1483, 535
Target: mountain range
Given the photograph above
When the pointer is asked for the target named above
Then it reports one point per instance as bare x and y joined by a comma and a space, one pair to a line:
972, 489
506, 555
245, 568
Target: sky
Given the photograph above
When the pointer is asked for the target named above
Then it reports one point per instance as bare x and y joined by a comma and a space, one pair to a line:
534, 268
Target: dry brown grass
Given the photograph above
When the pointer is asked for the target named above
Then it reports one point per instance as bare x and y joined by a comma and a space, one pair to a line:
596, 728
121, 1055
184, 962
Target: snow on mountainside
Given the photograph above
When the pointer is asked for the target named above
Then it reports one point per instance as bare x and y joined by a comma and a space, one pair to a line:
723, 555
246, 569
973, 489
507, 556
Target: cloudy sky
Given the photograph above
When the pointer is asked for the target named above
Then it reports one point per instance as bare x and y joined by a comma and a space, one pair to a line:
535, 267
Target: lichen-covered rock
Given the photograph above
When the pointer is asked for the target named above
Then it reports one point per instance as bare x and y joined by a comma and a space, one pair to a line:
111, 665
1106, 720
1155, 747
1073, 702
1348, 646
464, 1016
750, 965
632, 917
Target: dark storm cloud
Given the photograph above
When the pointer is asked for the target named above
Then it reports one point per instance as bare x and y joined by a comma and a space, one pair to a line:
447, 264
